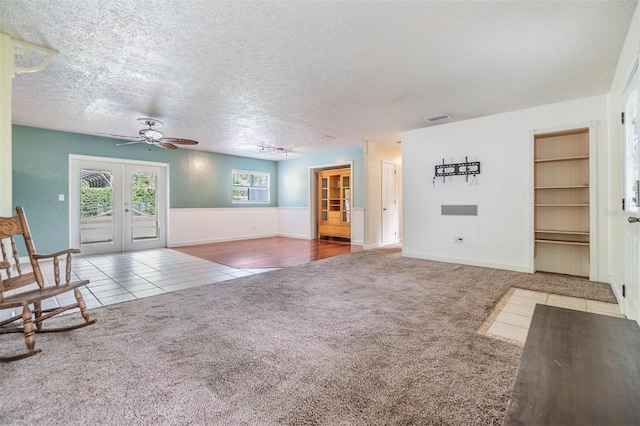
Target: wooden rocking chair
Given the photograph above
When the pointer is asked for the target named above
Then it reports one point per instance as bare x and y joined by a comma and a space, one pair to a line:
20, 288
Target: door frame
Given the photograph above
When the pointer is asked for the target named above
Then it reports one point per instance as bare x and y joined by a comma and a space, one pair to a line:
74, 203
594, 225
313, 195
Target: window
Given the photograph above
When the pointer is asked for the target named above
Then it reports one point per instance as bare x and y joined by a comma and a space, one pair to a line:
250, 187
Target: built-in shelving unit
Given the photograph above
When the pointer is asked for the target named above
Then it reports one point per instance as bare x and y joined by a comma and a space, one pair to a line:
334, 203
561, 170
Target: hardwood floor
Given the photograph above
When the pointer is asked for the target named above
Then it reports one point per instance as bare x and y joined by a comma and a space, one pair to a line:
272, 252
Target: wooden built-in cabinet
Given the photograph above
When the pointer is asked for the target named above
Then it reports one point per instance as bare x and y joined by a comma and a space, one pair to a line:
561, 176
334, 203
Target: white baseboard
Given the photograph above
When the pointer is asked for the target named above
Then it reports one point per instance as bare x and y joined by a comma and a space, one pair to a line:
298, 236
508, 267
219, 240
606, 279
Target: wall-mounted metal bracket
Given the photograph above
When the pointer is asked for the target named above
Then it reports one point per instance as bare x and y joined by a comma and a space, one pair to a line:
458, 169
30, 57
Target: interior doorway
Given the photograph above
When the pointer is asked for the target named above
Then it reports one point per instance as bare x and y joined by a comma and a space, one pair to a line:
117, 205
315, 195
389, 204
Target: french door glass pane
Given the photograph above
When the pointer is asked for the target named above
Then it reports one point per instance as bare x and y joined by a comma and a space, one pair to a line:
96, 206
143, 206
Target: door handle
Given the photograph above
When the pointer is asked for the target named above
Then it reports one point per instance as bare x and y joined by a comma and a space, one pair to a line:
384, 209
633, 219
126, 210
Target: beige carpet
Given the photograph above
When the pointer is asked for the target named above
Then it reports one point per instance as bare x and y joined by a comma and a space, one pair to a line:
365, 338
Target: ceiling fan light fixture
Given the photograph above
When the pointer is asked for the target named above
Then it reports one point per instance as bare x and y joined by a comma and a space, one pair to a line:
151, 134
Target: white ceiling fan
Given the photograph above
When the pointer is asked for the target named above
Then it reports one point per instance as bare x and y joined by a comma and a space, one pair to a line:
151, 136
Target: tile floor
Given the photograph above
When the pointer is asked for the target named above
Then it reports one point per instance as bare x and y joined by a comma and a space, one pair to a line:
511, 318
120, 277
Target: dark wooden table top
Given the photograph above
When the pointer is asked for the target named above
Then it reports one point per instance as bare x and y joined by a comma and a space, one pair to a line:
577, 368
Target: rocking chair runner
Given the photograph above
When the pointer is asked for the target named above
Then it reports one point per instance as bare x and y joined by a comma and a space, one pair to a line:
33, 286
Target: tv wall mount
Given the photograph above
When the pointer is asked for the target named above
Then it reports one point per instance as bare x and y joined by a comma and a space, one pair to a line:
458, 169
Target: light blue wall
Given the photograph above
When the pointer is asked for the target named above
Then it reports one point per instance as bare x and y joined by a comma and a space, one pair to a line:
293, 176
41, 172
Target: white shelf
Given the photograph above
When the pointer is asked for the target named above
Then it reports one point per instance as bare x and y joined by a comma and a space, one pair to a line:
551, 160
563, 205
565, 242
563, 187
557, 231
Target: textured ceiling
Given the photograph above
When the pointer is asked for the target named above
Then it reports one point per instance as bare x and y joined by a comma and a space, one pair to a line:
304, 76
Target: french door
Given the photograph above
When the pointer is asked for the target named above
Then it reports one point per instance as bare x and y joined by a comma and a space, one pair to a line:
631, 226
117, 206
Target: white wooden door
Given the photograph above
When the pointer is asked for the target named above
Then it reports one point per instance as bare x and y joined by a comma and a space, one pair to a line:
631, 289
389, 204
116, 206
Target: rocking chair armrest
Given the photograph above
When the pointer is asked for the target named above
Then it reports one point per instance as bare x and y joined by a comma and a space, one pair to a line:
56, 254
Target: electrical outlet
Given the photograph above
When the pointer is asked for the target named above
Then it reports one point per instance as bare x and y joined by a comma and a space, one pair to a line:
459, 240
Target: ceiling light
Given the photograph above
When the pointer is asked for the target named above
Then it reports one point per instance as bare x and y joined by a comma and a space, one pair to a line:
274, 149
437, 117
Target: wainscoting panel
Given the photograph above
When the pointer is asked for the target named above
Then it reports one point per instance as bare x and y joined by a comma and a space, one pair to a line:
201, 226
294, 222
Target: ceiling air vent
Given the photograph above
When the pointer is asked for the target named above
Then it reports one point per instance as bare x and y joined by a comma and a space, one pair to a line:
437, 117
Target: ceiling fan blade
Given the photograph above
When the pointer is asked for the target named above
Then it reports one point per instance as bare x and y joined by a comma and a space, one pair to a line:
109, 135
129, 143
179, 141
165, 145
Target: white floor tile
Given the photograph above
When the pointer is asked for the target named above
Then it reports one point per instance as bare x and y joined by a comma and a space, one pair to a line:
513, 320
567, 302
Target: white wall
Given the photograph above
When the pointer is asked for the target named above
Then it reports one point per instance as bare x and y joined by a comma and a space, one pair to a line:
501, 235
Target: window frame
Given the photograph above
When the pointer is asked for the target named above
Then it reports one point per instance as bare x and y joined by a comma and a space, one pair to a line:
253, 173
